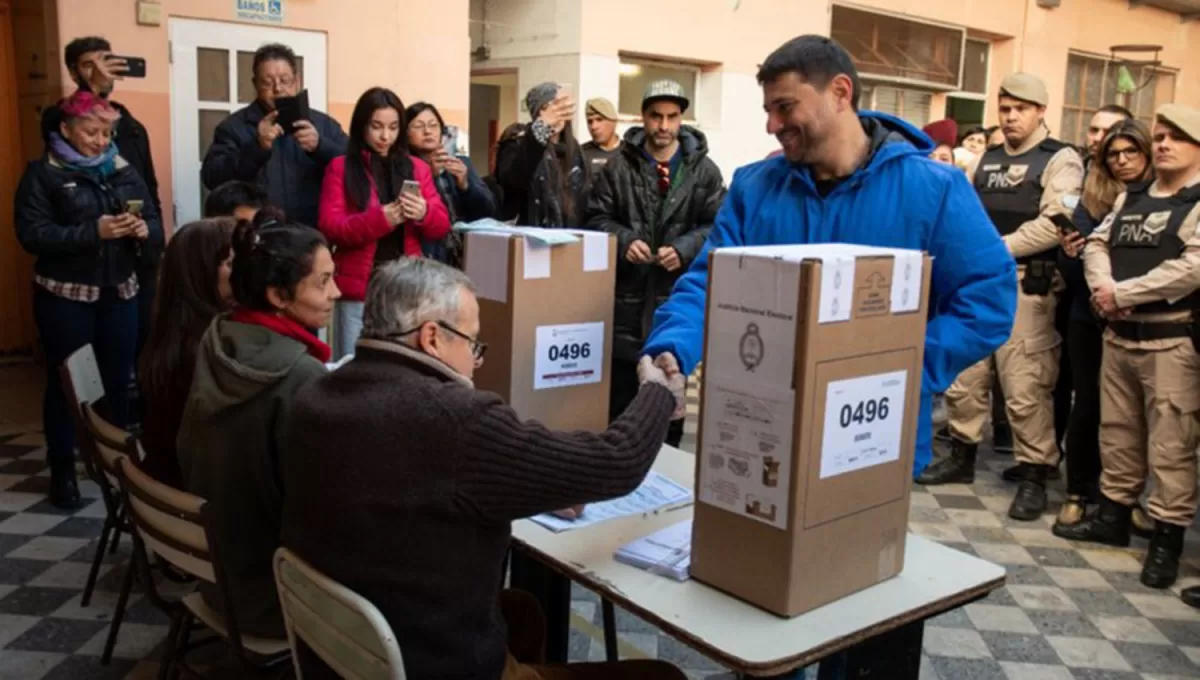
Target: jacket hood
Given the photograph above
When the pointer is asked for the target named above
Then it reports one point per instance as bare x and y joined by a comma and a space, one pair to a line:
238, 361
691, 140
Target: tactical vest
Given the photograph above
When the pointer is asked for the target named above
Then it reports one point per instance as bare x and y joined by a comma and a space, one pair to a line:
1146, 233
1010, 187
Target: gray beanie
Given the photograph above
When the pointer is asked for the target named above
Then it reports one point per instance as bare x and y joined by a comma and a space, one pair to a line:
539, 96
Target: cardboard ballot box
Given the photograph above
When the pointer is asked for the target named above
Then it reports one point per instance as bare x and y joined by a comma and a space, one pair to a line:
812, 383
545, 311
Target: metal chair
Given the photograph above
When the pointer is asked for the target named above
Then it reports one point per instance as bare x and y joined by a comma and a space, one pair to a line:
340, 626
173, 526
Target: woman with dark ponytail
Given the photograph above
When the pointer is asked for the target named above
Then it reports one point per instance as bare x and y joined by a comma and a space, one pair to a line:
250, 364
365, 212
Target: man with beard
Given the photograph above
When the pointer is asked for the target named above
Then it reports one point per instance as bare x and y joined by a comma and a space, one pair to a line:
94, 67
850, 176
659, 196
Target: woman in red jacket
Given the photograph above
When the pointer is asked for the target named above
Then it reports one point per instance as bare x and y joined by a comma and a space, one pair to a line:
366, 214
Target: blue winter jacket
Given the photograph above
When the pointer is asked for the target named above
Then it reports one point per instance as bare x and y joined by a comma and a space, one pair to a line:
900, 198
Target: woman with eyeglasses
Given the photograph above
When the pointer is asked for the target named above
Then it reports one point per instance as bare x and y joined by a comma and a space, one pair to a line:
1124, 158
378, 204
464, 193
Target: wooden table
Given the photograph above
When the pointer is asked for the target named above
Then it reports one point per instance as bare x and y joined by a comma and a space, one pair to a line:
880, 627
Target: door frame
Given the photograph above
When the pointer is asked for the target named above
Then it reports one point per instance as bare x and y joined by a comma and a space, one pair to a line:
185, 36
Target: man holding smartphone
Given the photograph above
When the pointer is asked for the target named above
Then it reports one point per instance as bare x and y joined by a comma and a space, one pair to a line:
251, 145
95, 68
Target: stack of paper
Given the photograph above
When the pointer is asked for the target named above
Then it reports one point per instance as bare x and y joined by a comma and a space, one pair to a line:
667, 552
655, 493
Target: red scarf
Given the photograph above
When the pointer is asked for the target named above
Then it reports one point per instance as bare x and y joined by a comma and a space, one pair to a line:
285, 327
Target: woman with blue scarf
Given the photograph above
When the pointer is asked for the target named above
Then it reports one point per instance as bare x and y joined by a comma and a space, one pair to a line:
89, 219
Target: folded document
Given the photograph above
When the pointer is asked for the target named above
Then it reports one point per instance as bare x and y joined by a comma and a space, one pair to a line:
655, 493
667, 552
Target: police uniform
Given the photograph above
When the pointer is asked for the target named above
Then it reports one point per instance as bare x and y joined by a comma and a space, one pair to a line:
1021, 189
1148, 250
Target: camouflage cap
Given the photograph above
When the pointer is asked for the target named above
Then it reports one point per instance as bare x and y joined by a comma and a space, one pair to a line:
1185, 118
665, 89
1026, 87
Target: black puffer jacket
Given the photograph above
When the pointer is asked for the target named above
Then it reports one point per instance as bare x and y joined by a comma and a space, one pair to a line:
527, 171
57, 219
291, 176
625, 201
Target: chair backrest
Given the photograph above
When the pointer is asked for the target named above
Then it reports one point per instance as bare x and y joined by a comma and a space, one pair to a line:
339, 625
168, 521
110, 443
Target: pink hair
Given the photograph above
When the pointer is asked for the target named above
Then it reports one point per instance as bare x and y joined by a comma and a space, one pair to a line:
84, 104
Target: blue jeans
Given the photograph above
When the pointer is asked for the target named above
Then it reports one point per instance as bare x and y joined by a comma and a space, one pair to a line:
111, 326
348, 325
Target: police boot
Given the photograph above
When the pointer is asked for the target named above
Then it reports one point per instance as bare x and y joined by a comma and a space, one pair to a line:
1162, 559
956, 468
1017, 472
1109, 524
1191, 596
64, 489
1030, 501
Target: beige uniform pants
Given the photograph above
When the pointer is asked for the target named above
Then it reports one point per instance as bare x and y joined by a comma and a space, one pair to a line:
1149, 401
1027, 366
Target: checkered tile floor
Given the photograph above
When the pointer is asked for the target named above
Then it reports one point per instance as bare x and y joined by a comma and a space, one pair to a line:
1070, 611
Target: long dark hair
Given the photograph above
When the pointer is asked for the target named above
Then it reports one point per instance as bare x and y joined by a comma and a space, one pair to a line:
271, 254
358, 172
1101, 187
186, 304
566, 163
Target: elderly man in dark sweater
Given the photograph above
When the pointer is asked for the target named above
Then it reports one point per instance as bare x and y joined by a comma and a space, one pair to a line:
402, 482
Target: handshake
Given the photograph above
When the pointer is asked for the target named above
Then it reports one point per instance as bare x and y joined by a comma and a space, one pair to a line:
664, 370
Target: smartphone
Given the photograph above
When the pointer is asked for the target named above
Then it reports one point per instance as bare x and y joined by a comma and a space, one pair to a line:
564, 91
450, 140
291, 110
134, 207
1064, 224
411, 187
136, 65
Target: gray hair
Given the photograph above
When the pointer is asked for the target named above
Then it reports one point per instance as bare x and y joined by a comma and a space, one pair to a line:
411, 291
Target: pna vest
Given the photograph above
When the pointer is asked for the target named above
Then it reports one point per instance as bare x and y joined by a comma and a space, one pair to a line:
1145, 233
1010, 188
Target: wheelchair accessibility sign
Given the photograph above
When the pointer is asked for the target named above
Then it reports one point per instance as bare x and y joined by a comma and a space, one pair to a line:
265, 11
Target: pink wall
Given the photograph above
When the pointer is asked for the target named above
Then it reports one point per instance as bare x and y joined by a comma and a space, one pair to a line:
370, 42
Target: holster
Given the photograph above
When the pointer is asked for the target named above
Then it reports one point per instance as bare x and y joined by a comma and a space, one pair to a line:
1039, 278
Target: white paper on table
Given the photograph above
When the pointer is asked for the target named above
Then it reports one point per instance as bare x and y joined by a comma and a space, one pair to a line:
746, 461
595, 251
539, 235
667, 552
655, 493
907, 277
537, 260
568, 354
864, 418
487, 264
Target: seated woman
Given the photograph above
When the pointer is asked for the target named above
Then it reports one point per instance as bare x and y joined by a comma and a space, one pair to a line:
364, 211
250, 365
192, 291
87, 217
461, 189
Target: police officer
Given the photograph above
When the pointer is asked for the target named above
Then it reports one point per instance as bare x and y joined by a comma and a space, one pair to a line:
1023, 183
1143, 267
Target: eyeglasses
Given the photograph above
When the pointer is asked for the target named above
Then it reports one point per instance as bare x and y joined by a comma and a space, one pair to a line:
478, 349
1129, 153
423, 127
274, 83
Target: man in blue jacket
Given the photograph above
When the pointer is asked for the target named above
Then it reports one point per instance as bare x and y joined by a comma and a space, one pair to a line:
855, 177
251, 146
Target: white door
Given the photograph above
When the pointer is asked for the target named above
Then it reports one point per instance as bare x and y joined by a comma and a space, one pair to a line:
210, 78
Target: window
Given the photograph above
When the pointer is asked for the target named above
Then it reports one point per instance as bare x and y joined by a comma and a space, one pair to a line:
637, 74
911, 105
891, 48
975, 67
1092, 83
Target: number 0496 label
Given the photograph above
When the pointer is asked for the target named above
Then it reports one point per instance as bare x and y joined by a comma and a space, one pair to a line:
570, 354
864, 418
